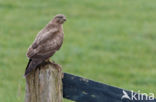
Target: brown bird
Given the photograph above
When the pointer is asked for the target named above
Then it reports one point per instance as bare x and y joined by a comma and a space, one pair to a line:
46, 43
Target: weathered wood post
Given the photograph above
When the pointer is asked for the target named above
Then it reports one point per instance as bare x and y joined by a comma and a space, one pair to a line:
44, 84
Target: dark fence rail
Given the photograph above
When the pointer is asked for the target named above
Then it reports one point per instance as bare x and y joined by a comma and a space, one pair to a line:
83, 90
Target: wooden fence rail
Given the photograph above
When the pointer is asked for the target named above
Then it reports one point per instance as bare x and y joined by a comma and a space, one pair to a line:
84, 90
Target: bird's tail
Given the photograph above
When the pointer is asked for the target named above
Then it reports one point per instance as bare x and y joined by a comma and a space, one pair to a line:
32, 64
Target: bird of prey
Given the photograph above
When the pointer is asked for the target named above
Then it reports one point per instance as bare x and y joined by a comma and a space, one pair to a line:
46, 43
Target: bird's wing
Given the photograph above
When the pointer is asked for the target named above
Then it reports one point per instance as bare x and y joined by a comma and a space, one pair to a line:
40, 41
43, 36
48, 48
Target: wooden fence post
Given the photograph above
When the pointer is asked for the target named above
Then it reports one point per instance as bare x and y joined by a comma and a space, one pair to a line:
44, 84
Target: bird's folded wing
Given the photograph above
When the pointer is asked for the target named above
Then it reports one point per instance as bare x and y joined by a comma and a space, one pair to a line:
43, 36
46, 44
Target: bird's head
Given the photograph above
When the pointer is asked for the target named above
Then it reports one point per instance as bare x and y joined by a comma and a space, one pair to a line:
60, 19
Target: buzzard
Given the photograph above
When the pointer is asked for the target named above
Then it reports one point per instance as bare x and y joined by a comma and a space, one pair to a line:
46, 43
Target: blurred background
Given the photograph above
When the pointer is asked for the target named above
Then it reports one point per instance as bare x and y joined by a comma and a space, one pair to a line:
110, 41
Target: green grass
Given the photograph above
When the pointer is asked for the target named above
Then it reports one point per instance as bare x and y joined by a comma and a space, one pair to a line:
111, 41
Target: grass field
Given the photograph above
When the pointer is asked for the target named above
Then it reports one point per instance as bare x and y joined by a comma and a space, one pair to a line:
111, 41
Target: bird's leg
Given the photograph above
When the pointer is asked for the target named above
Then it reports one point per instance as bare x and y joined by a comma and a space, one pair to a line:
47, 60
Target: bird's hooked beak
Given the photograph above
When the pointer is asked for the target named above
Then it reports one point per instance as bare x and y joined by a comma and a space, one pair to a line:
64, 19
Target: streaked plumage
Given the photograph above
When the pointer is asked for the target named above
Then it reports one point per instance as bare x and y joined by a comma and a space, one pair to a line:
46, 43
